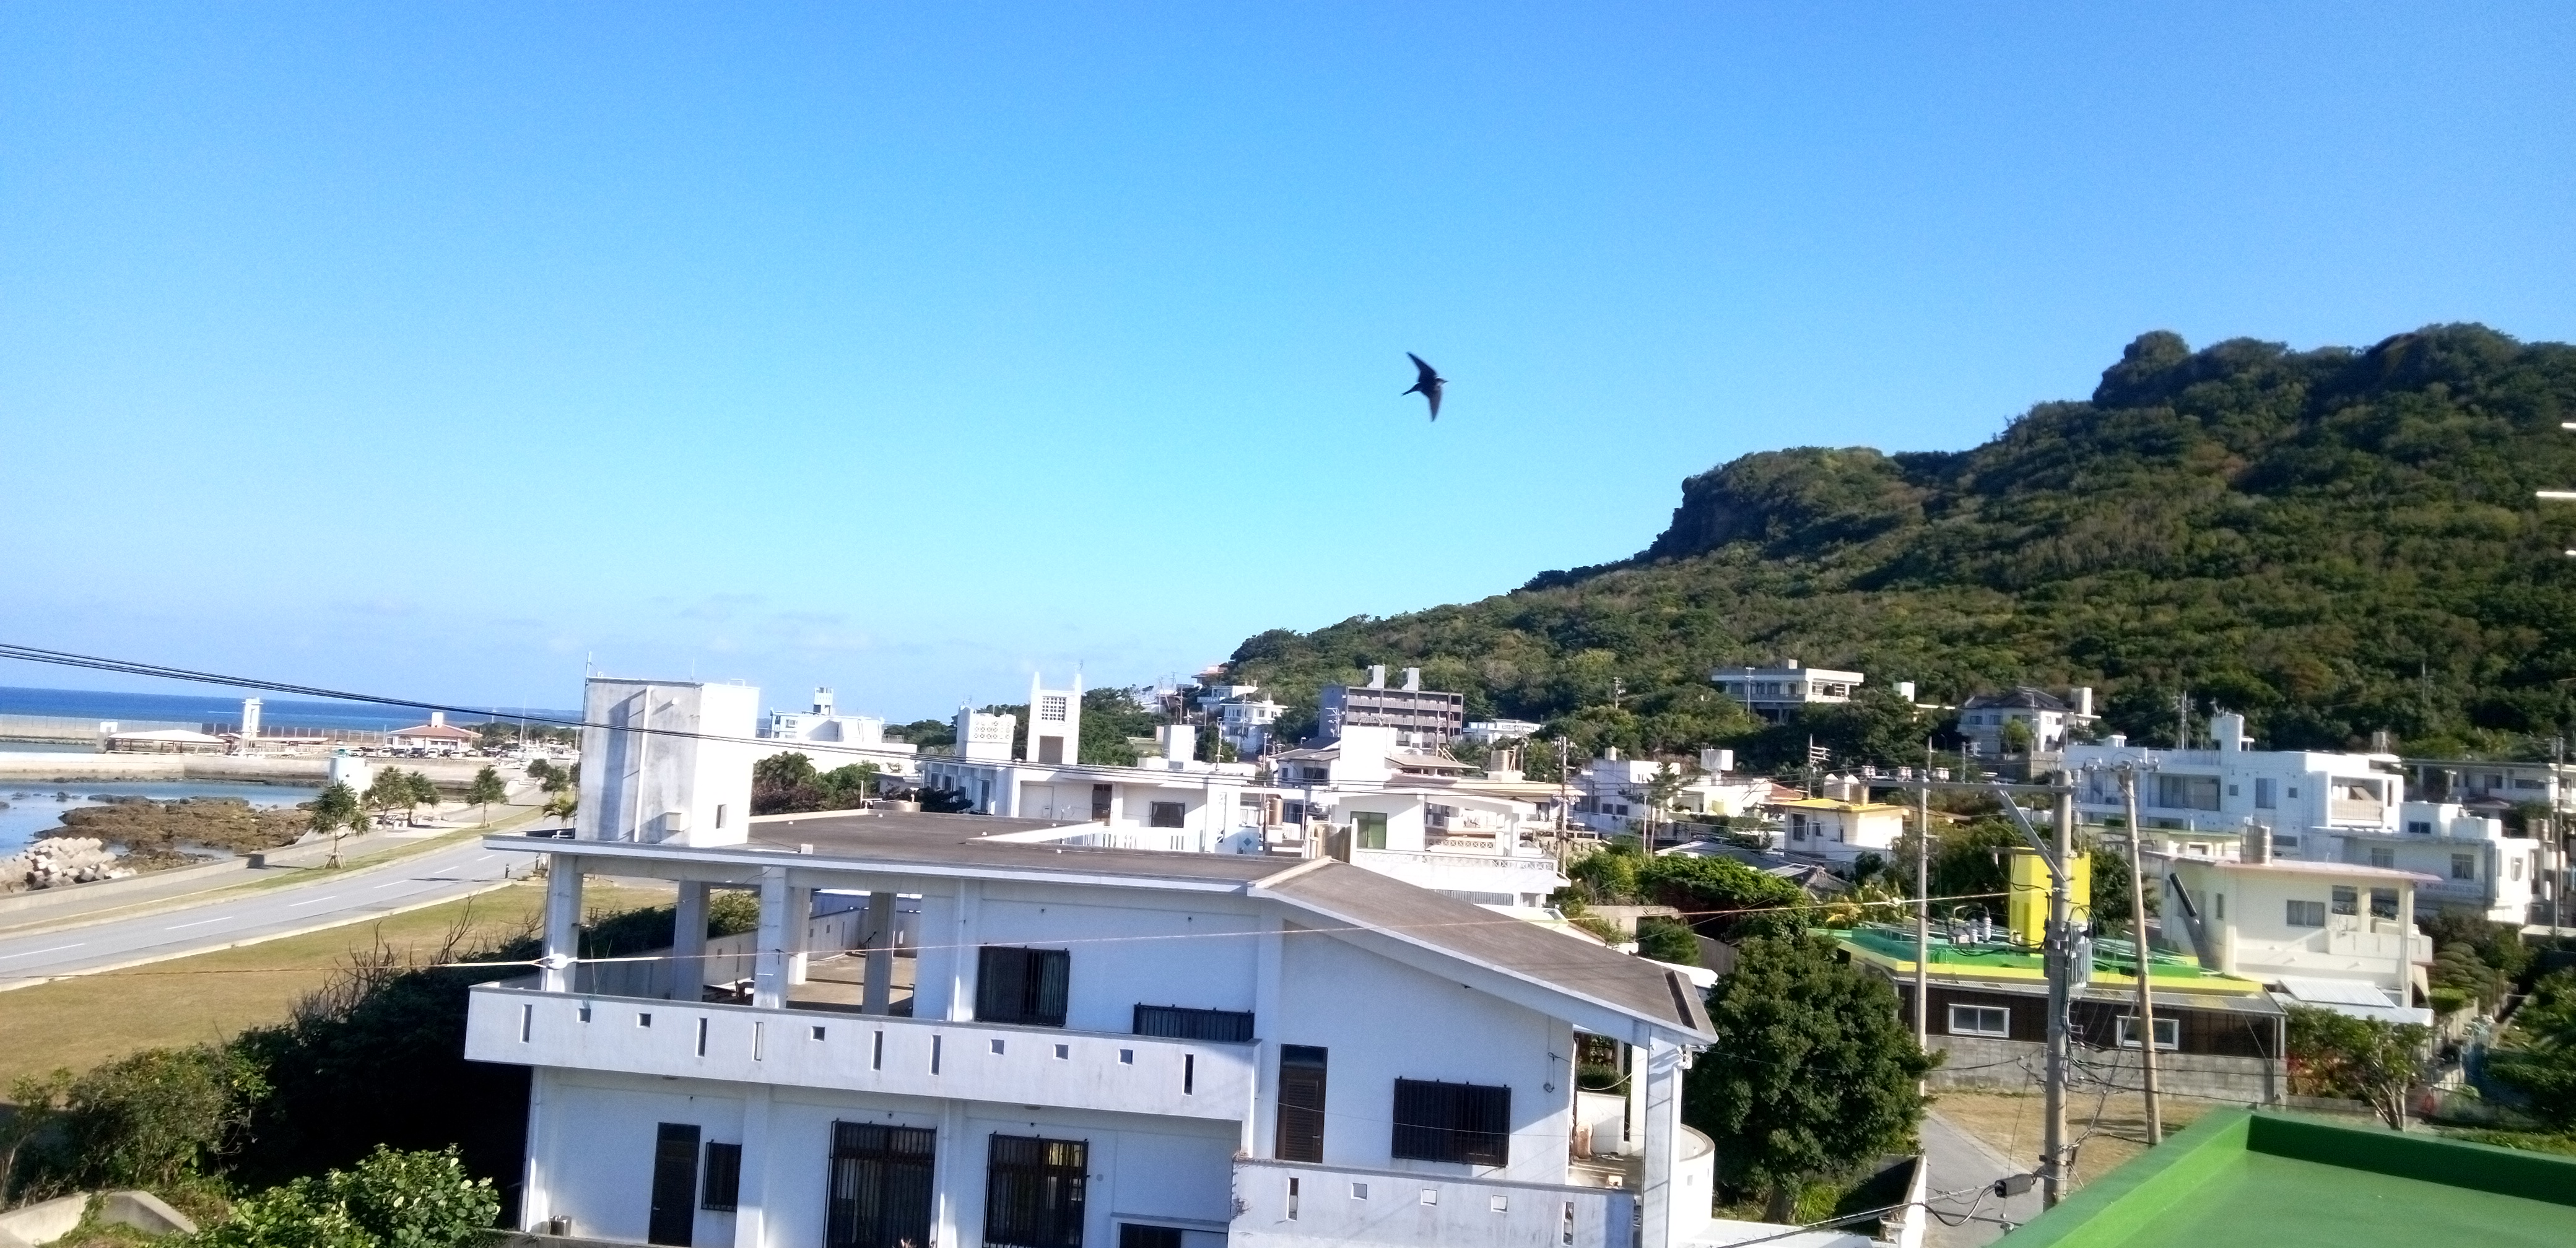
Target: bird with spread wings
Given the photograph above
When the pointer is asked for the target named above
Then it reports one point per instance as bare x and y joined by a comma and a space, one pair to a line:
1427, 384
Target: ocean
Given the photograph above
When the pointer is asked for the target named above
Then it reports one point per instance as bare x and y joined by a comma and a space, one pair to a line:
225, 709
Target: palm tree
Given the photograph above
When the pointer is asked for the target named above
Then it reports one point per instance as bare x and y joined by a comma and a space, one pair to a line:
487, 789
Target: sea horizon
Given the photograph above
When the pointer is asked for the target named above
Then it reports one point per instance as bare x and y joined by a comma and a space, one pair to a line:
200, 709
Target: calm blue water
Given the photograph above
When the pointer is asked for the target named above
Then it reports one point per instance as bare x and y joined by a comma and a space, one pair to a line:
36, 810
188, 708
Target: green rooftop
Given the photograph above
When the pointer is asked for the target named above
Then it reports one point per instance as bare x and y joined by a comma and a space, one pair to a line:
2113, 961
2263, 1180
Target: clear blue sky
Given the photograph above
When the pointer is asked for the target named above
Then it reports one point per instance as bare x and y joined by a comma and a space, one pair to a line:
429, 348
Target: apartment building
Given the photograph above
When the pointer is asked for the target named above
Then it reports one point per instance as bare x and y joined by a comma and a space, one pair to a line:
1084, 1046
833, 739
1422, 718
2047, 721
2309, 798
1614, 794
1773, 692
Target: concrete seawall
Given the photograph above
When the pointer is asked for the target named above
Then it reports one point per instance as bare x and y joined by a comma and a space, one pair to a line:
47, 768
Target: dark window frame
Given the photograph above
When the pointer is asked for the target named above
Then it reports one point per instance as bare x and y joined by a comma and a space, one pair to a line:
1181, 1022
1304, 1089
879, 1189
1167, 815
673, 1218
1021, 985
720, 1191
1465, 1123
1035, 1191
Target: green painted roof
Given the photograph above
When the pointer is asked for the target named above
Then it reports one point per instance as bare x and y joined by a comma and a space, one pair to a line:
2257, 1180
2112, 959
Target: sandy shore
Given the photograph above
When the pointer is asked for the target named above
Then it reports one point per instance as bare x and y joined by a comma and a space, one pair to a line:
301, 769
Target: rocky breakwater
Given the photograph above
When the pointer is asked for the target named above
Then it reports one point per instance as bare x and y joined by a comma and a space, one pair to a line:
169, 834
59, 860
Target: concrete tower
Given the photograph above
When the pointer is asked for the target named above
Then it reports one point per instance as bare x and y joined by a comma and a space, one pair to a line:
1055, 722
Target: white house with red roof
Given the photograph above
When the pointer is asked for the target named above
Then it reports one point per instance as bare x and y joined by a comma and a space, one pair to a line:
437, 736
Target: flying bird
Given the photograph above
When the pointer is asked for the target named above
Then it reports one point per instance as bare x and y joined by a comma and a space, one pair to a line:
1427, 384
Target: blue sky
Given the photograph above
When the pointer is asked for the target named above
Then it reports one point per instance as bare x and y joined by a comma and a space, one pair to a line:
429, 349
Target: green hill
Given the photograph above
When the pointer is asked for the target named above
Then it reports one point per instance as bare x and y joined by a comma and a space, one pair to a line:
2332, 541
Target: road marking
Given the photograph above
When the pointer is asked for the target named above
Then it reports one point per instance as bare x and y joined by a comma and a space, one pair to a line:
199, 923
33, 952
394, 884
315, 902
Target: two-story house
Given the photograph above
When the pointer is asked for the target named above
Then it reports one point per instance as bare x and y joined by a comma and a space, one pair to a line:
2308, 798
1080, 1046
2337, 935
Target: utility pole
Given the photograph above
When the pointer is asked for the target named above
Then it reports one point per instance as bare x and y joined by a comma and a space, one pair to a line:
1923, 903
2061, 950
2138, 936
2182, 720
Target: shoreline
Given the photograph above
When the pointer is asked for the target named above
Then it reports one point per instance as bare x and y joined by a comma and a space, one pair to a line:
32, 768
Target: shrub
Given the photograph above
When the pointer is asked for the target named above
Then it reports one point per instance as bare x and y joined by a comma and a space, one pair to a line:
388, 1200
1667, 940
154, 1119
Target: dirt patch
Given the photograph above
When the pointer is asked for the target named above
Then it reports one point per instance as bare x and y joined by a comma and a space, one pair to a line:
2109, 1130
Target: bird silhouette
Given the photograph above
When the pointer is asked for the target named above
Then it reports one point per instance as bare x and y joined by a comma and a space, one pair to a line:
1427, 384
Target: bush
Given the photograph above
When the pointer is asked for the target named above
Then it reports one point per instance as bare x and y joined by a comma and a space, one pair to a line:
1667, 940
388, 1200
155, 1119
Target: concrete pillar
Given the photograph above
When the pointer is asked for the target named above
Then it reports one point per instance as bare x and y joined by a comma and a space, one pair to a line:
962, 955
535, 1203
563, 922
955, 1175
1660, 1221
770, 954
689, 943
1261, 1118
800, 932
878, 940
759, 1192
1635, 1140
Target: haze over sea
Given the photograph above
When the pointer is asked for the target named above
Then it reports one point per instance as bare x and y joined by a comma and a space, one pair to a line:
193, 709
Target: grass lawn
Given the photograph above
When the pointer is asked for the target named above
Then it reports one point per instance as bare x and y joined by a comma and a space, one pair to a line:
89, 1019
2010, 1124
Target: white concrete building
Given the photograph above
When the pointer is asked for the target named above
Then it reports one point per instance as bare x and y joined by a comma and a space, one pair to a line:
1241, 715
2470, 863
2309, 798
1500, 731
2320, 932
2047, 719
1614, 794
1772, 692
435, 737
666, 760
1090, 1046
832, 739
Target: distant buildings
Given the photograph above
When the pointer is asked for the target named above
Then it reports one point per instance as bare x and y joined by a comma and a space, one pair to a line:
1242, 716
1774, 692
2047, 721
435, 737
1422, 718
832, 739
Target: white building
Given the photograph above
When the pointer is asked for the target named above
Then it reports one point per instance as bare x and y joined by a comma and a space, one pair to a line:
1089, 1046
832, 739
1422, 718
665, 760
1241, 715
1614, 794
1500, 731
2046, 718
2471, 865
2310, 799
435, 737
1772, 692
2328, 934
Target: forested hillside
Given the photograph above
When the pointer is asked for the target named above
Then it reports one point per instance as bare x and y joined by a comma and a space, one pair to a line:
2332, 541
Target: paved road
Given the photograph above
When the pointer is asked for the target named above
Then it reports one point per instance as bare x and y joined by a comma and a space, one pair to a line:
329, 899
1958, 1160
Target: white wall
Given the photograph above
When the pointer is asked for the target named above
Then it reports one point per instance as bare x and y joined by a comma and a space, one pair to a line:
653, 786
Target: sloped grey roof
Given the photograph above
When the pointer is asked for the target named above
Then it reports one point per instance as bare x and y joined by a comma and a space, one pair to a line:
2023, 697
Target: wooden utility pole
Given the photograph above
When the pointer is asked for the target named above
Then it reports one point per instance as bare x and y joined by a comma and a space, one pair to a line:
2138, 936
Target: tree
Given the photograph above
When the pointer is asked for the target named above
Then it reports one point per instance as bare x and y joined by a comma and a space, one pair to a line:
2539, 1056
336, 808
562, 805
389, 788
389, 1200
420, 791
2016, 736
1724, 899
150, 1119
487, 789
2366, 1059
1667, 940
1812, 1073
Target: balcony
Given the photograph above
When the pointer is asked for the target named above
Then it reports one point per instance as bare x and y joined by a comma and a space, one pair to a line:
1283, 1203
522, 1026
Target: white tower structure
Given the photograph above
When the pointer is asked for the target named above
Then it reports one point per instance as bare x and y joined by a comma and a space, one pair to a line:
667, 761
250, 718
1055, 722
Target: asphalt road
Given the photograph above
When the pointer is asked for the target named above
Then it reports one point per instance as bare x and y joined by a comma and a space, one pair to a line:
329, 899
1957, 1160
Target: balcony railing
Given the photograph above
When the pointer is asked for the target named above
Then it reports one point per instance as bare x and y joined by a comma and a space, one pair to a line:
1284, 1203
861, 1052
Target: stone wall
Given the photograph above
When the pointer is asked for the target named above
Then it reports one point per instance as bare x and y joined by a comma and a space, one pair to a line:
2018, 1066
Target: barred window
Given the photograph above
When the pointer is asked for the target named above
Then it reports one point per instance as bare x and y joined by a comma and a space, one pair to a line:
1033, 1192
1461, 1122
1014, 985
1182, 1023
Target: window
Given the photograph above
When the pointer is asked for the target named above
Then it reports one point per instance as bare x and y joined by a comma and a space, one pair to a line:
2464, 866
1371, 826
1166, 815
2517, 870
1139, 1235
1301, 1103
2419, 827
2307, 914
1181, 1023
1461, 1122
1022, 985
2383, 903
2187, 792
1051, 708
1033, 1192
2266, 794
2231, 790
2383, 857
1981, 1020
2347, 899
720, 814
880, 1192
2168, 1032
724, 1178
675, 1184
2218, 906
1100, 803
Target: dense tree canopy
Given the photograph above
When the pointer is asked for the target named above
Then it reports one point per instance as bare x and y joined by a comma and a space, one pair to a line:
2333, 541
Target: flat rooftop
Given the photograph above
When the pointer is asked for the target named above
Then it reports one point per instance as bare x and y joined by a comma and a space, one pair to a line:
2251, 1180
2113, 962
